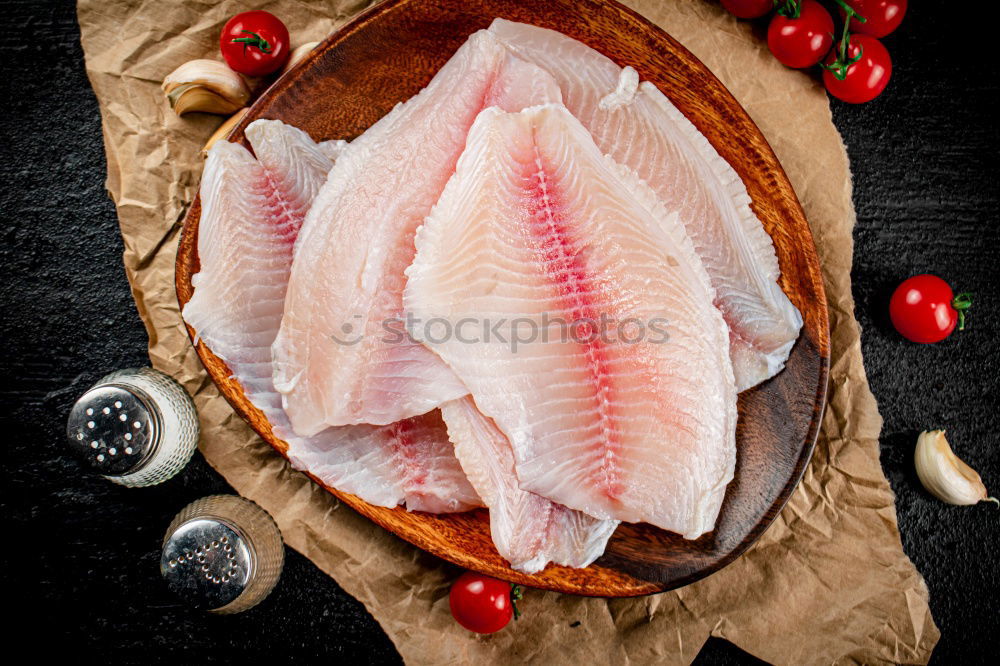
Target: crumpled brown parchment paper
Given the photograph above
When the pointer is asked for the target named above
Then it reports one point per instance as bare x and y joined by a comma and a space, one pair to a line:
828, 582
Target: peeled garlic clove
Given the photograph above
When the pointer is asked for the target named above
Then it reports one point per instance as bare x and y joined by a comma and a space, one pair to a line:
944, 474
298, 54
225, 129
207, 86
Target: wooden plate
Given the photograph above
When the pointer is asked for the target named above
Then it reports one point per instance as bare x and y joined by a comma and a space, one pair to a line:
388, 54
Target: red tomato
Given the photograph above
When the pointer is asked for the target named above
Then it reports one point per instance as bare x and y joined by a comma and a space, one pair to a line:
482, 604
882, 16
802, 41
924, 309
865, 79
255, 43
748, 9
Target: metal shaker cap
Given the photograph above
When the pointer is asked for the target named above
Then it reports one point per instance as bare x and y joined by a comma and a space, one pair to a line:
137, 427
113, 430
223, 554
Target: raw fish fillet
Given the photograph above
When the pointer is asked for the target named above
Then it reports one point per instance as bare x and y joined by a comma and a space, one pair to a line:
528, 530
640, 128
342, 355
537, 225
412, 459
251, 214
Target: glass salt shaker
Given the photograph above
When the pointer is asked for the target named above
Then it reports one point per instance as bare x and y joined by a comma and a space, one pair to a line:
223, 554
136, 427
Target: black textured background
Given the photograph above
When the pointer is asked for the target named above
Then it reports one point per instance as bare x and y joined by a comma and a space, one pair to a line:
79, 555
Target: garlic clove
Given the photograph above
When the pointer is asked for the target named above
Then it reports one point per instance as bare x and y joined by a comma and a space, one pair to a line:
297, 54
225, 129
944, 474
207, 86
190, 99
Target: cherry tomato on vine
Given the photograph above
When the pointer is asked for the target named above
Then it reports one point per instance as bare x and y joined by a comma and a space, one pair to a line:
860, 73
881, 16
924, 309
483, 604
748, 9
255, 43
800, 34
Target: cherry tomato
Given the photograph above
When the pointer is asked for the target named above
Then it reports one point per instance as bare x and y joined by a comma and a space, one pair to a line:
865, 79
924, 309
882, 16
748, 9
801, 41
255, 43
482, 604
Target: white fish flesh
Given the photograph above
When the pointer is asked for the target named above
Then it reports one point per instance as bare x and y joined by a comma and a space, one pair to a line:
528, 530
629, 413
412, 461
640, 128
342, 356
252, 210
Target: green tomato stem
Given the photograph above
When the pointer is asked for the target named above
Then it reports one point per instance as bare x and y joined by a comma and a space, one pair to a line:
790, 8
840, 66
516, 594
961, 303
253, 40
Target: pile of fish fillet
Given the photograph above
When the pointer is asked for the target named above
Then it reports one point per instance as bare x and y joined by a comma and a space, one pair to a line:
533, 177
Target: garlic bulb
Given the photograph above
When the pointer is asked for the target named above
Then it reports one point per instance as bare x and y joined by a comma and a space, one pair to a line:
205, 85
944, 474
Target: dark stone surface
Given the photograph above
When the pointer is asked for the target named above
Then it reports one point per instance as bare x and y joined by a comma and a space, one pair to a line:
925, 158
80, 555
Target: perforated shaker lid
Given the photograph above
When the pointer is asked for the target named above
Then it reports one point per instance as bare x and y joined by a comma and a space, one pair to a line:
222, 553
137, 427
207, 562
114, 430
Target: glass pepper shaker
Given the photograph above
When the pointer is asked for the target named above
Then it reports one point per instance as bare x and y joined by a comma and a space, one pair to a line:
223, 554
136, 427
